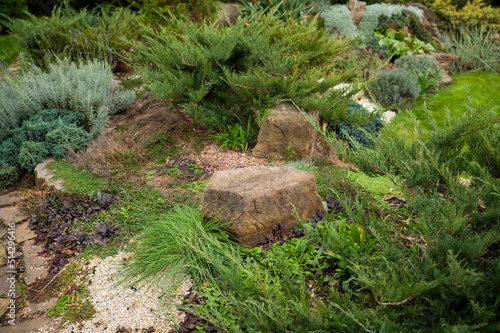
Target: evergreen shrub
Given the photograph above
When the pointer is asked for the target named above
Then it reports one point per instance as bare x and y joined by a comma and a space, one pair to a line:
352, 130
50, 131
195, 10
67, 33
31, 153
83, 88
227, 75
287, 8
395, 87
64, 136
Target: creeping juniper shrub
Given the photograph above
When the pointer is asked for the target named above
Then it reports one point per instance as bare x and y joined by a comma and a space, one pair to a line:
395, 87
348, 130
224, 76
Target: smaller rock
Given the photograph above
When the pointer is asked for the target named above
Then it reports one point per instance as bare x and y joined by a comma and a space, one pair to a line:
3, 254
36, 266
115, 84
357, 9
228, 14
448, 62
445, 80
3, 232
4, 303
31, 325
24, 233
12, 214
44, 180
8, 283
43, 306
9, 199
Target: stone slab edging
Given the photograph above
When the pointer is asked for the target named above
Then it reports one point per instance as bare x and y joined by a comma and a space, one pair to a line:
44, 180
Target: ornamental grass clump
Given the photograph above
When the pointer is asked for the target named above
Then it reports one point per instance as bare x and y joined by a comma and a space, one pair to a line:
222, 76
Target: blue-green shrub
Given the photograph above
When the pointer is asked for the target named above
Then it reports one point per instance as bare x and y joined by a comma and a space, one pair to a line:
65, 136
347, 130
50, 131
83, 88
32, 153
9, 152
395, 87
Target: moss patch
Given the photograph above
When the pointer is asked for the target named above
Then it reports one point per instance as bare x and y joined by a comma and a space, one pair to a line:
76, 180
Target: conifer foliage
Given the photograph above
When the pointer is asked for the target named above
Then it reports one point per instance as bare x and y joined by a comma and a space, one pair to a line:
224, 75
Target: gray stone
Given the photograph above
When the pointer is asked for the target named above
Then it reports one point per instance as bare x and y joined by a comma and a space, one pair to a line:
3, 232
115, 84
29, 326
357, 9
24, 233
3, 254
43, 306
9, 199
448, 62
445, 80
6, 283
4, 303
35, 265
44, 179
228, 14
287, 134
12, 214
259, 197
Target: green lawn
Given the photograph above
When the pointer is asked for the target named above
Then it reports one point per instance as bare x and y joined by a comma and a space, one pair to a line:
483, 88
9, 49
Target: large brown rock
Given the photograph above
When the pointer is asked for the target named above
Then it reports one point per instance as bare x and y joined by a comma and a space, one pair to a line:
259, 197
228, 14
357, 9
287, 134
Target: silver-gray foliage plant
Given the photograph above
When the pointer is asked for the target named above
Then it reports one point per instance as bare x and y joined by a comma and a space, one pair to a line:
339, 16
84, 88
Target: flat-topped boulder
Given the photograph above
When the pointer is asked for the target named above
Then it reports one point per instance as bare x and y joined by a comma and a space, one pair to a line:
259, 197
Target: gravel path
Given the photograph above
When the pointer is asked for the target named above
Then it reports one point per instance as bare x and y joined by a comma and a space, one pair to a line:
120, 308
